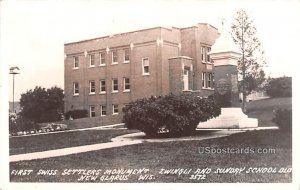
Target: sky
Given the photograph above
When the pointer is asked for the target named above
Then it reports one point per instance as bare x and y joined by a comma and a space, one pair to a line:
33, 32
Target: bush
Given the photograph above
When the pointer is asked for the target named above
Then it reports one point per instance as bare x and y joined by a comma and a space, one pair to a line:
18, 123
283, 118
280, 87
76, 114
169, 115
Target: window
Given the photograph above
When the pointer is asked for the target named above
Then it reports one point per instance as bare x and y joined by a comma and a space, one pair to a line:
204, 80
204, 54
76, 62
208, 56
75, 88
209, 80
115, 85
102, 59
145, 63
213, 80
115, 109
186, 71
114, 57
92, 87
126, 55
102, 86
103, 110
92, 111
92, 60
126, 84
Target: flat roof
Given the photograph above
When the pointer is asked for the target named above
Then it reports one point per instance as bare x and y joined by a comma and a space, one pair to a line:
125, 33
118, 34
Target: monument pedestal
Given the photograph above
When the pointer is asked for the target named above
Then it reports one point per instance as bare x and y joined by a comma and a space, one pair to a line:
225, 56
230, 118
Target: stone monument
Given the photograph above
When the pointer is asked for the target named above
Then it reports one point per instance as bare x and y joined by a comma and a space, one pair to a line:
225, 55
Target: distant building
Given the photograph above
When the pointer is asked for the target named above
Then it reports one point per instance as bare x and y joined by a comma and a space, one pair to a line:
104, 74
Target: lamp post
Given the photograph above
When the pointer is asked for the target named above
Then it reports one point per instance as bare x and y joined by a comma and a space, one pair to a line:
13, 71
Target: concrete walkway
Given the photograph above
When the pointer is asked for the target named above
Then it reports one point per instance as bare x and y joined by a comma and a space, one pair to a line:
125, 140
69, 151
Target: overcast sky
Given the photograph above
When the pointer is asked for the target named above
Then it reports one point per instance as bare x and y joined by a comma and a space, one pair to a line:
33, 32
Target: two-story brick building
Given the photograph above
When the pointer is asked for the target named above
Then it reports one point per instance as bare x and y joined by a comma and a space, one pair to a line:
104, 74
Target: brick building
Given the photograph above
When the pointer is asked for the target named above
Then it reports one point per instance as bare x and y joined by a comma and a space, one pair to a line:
104, 74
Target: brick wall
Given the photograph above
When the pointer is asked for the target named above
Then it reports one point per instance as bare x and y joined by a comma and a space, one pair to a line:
157, 44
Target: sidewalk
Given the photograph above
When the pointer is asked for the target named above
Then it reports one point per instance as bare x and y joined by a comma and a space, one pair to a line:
124, 140
68, 151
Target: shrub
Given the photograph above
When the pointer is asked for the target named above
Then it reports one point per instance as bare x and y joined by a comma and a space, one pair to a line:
170, 114
280, 87
283, 118
13, 127
76, 114
18, 123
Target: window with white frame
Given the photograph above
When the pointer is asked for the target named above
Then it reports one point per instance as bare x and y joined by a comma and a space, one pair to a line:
103, 110
102, 86
186, 71
115, 87
75, 88
114, 57
115, 109
126, 55
92, 111
76, 62
204, 54
204, 80
92, 87
126, 84
145, 63
209, 80
92, 60
102, 59
208, 56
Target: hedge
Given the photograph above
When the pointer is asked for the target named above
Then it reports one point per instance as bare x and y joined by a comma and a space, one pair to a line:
76, 114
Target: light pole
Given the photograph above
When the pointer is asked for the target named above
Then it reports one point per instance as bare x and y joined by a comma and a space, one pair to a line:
13, 71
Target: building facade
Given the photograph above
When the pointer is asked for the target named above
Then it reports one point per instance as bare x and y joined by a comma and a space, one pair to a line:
104, 74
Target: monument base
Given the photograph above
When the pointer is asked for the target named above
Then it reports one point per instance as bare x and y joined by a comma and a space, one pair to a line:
230, 118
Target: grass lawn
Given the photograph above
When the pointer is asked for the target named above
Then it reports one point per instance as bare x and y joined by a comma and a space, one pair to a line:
172, 155
36, 143
165, 155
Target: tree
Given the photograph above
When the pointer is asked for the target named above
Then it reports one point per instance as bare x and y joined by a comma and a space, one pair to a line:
250, 65
279, 87
42, 105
